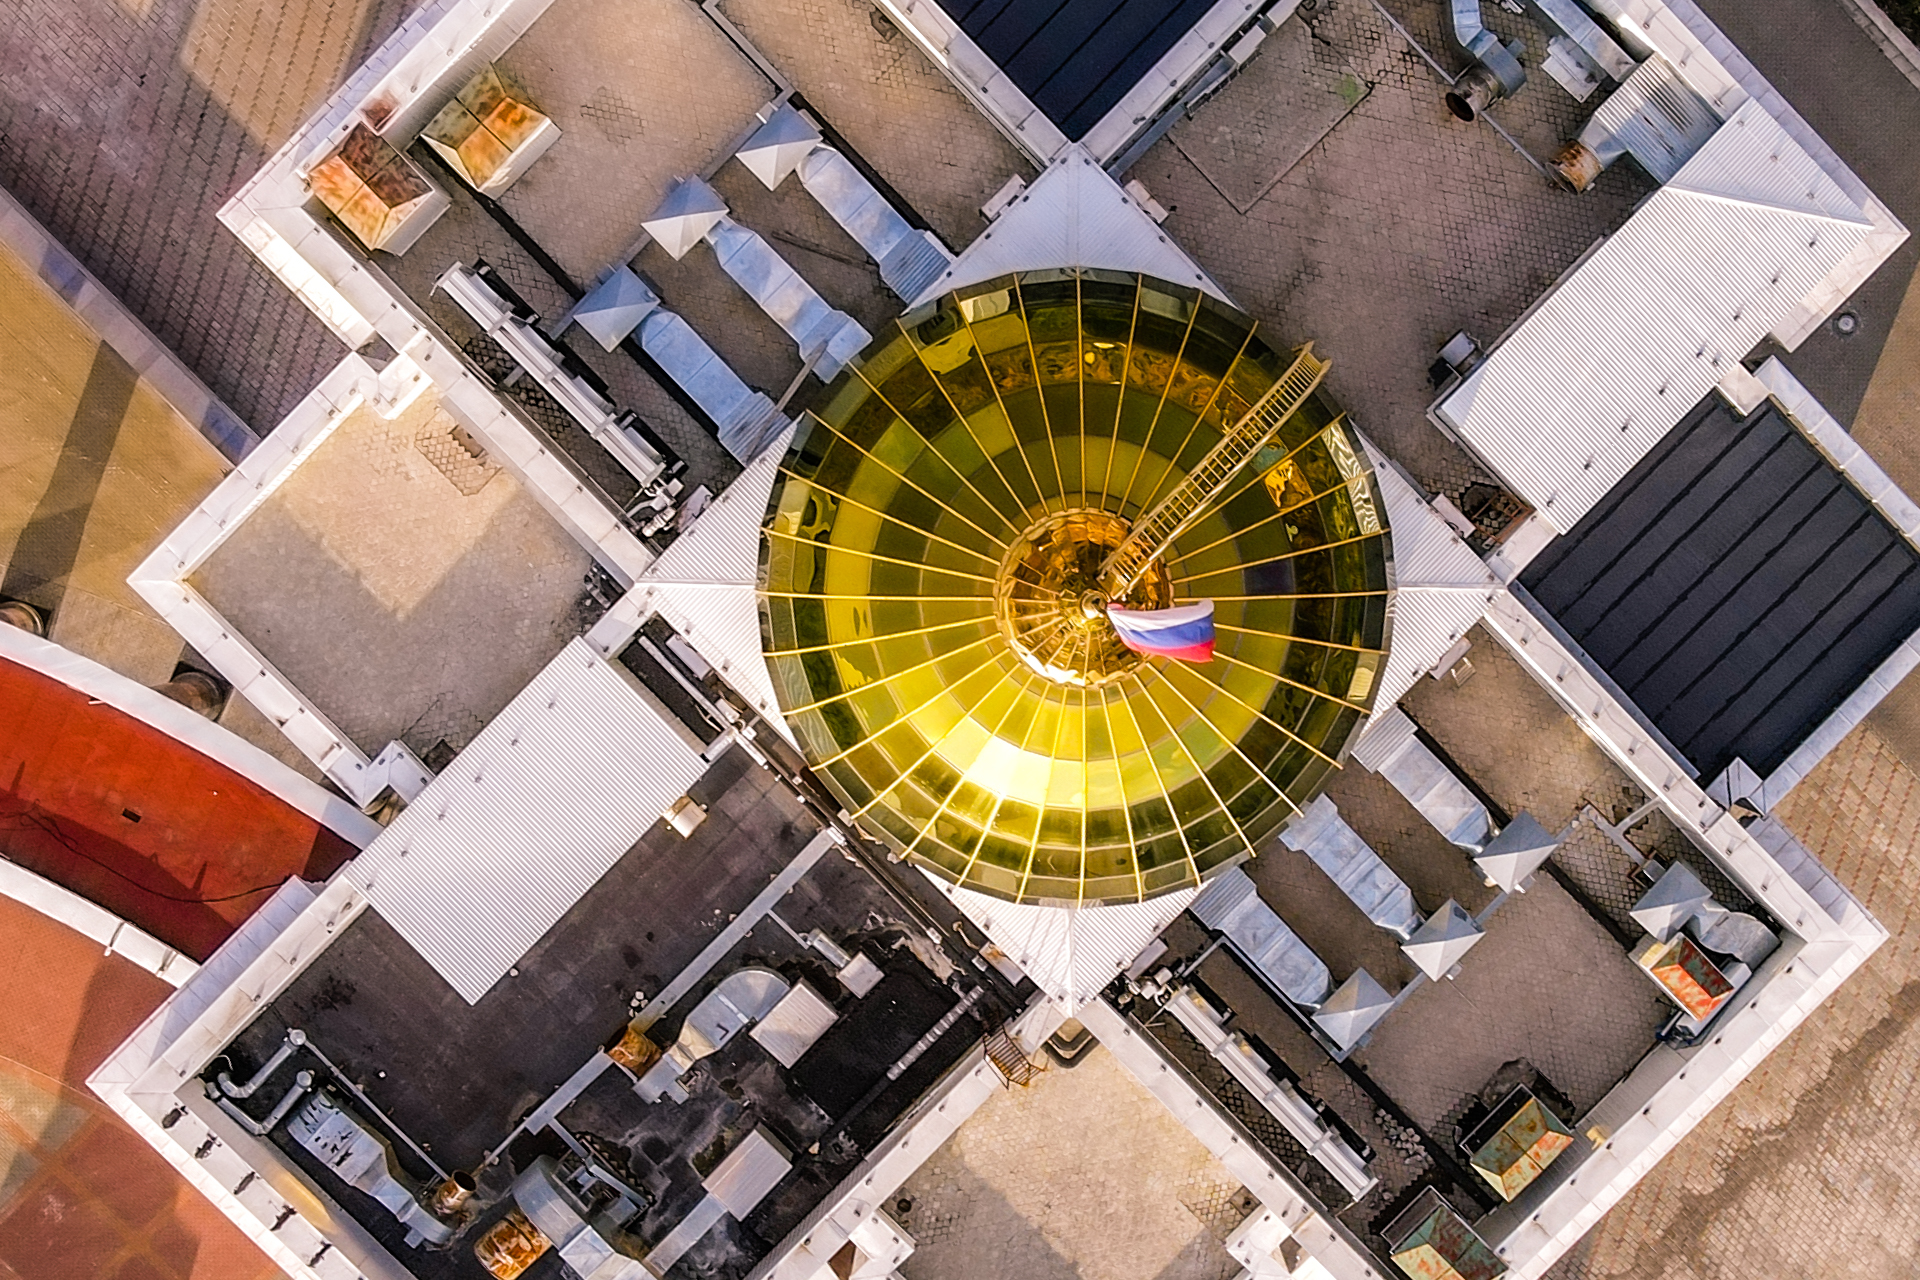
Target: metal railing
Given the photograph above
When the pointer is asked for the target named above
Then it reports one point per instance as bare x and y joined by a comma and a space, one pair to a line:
1154, 532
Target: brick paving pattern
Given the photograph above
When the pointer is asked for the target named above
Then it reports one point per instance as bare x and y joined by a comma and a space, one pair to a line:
403, 606
1401, 226
1808, 1170
1082, 1175
125, 126
898, 110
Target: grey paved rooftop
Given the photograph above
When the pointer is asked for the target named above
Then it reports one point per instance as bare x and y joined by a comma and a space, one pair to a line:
1082, 1175
124, 124
402, 581
1394, 230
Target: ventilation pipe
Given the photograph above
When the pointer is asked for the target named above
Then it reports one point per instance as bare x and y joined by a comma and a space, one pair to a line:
359, 1157
261, 1128
18, 613
1496, 72
1655, 116
294, 1040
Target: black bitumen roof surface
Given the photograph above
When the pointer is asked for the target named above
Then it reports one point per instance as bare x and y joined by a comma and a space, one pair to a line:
456, 1077
1735, 585
1075, 58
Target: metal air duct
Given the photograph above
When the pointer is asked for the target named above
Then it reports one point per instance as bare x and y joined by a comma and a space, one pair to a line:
1654, 116
261, 1128
361, 1158
1496, 72
294, 1040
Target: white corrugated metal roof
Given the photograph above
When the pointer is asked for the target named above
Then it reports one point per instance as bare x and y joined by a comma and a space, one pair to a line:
525, 820
1070, 952
1441, 586
1607, 363
1073, 215
704, 584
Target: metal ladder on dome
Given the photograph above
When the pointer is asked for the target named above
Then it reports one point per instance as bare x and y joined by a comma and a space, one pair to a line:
1154, 532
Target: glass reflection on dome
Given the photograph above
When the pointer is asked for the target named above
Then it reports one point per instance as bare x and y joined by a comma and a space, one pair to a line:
932, 571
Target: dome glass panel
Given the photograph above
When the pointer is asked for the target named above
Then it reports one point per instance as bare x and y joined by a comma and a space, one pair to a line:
950, 524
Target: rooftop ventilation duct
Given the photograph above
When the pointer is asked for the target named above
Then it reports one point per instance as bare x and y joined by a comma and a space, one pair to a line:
1583, 54
361, 1158
592, 1243
743, 998
1654, 116
1496, 72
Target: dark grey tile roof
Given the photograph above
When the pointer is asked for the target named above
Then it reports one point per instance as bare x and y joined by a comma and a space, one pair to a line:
1735, 585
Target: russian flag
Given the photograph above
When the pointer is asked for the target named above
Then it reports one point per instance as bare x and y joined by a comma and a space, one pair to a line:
1185, 632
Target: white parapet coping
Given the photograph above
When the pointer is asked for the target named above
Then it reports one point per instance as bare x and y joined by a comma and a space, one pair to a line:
146, 1078
158, 711
161, 579
1191, 1010
1900, 511
1672, 1090
397, 91
1681, 33
61, 904
1000, 100
950, 1103
1647, 1114
1638, 754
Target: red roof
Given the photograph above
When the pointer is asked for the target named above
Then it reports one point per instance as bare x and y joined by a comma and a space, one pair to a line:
143, 824
87, 1197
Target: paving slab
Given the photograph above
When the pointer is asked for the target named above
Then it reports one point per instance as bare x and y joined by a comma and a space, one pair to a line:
1082, 1175
402, 583
125, 124
644, 93
872, 85
1401, 226
1271, 115
1516, 743
1807, 1164
1546, 985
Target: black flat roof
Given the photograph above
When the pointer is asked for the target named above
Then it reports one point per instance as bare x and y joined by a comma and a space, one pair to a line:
1075, 58
1735, 585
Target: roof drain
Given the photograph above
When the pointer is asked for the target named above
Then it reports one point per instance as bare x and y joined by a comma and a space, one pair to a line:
1496, 72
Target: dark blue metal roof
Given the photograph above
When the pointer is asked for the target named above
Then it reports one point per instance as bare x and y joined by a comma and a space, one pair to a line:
1735, 585
1075, 58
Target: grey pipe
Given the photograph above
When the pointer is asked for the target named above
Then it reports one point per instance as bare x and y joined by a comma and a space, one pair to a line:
261, 1128
294, 1040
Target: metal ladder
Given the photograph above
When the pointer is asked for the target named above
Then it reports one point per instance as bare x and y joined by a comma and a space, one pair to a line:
1008, 1058
1154, 532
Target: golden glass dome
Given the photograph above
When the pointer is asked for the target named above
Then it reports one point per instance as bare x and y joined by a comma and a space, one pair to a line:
949, 526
